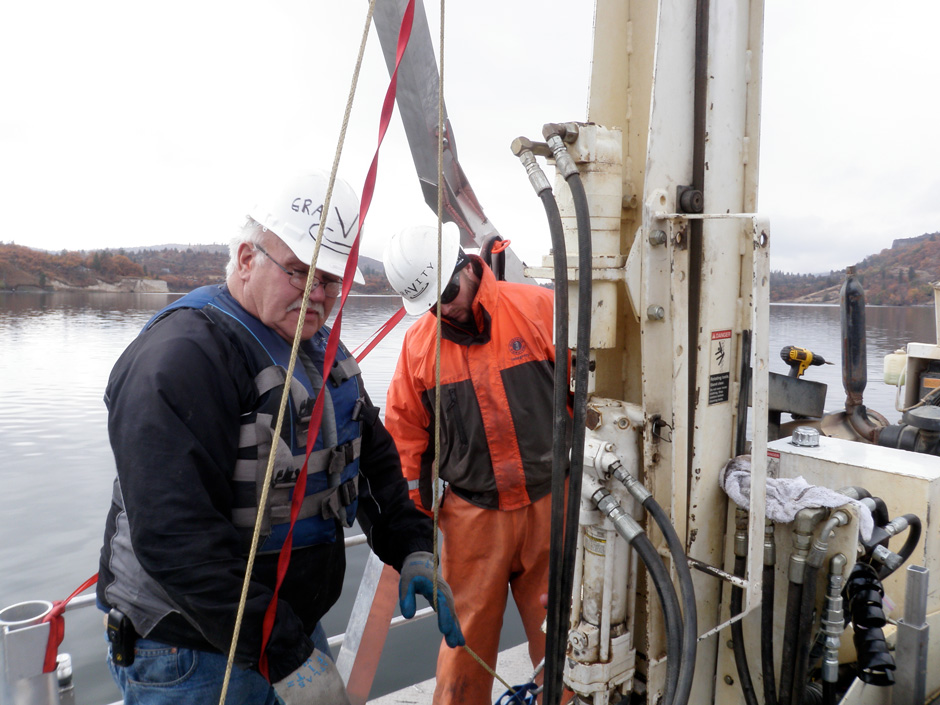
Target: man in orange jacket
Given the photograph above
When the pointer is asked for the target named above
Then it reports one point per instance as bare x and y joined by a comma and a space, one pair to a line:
496, 380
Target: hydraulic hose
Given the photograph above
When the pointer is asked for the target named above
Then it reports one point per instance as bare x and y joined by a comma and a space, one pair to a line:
496, 262
864, 594
911, 522
689, 612
804, 633
913, 536
681, 562
767, 635
804, 638
633, 534
737, 597
806, 520
791, 622
880, 511
556, 630
555, 641
737, 635
566, 166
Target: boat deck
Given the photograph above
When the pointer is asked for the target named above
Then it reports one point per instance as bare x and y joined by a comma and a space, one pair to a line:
513, 665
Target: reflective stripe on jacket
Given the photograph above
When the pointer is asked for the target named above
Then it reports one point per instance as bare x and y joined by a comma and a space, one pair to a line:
496, 399
332, 471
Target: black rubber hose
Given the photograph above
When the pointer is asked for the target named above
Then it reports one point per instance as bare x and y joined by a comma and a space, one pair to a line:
880, 514
804, 638
553, 670
560, 431
829, 693
670, 604
737, 636
907, 550
689, 612
767, 635
740, 433
791, 625
497, 262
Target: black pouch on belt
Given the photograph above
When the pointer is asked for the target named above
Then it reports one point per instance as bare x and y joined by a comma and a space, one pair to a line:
122, 636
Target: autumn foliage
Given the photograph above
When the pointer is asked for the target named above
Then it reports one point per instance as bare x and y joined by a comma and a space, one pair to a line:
183, 269
898, 276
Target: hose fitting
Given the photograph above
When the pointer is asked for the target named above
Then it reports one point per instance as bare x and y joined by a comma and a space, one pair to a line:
634, 486
526, 150
770, 544
888, 558
564, 163
740, 532
833, 622
821, 543
804, 524
625, 524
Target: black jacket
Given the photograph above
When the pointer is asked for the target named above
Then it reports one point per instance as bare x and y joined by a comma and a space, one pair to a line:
174, 400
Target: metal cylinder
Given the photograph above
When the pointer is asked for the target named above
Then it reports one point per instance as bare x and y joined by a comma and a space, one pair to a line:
23, 638
854, 361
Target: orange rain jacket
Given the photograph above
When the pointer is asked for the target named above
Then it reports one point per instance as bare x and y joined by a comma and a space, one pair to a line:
496, 399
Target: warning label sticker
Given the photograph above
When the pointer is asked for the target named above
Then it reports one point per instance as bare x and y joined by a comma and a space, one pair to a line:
719, 375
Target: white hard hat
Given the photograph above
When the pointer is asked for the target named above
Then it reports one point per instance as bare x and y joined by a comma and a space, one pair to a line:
293, 212
410, 261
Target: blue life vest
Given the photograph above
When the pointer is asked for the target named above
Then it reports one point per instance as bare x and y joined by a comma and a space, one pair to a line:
333, 468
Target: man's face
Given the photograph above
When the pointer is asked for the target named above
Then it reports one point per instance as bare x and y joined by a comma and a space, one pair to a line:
273, 299
461, 308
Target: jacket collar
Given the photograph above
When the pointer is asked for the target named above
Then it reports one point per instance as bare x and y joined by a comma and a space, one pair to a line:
483, 306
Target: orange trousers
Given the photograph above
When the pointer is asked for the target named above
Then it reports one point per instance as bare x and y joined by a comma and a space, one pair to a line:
486, 553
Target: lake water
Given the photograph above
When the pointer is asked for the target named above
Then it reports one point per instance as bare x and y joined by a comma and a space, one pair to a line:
56, 469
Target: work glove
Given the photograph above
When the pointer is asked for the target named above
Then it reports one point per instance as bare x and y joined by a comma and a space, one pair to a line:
418, 575
315, 681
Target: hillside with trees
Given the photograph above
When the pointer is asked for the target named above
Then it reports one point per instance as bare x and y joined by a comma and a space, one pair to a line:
897, 276
182, 268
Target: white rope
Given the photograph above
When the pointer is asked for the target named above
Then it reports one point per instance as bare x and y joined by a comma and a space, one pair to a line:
293, 359
437, 360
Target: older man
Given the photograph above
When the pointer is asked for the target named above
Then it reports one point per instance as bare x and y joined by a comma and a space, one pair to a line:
193, 404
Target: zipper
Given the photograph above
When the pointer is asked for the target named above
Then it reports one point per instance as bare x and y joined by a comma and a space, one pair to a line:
454, 411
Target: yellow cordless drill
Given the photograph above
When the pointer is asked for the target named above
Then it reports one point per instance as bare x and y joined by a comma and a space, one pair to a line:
799, 359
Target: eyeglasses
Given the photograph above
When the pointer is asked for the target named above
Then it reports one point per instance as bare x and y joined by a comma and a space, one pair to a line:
332, 287
453, 286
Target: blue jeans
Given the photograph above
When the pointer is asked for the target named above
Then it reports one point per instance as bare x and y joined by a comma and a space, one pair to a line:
167, 675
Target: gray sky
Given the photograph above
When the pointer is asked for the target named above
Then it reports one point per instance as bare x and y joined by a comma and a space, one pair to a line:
127, 124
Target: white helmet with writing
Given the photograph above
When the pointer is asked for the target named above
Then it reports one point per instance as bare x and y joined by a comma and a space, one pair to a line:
410, 261
293, 212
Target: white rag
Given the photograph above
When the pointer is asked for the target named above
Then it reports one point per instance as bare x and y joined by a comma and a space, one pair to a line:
785, 497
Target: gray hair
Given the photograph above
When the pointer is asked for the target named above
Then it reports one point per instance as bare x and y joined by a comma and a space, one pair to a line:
252, 232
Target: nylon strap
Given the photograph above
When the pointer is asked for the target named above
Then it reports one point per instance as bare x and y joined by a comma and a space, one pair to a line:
333, 341
378, 335
57, 625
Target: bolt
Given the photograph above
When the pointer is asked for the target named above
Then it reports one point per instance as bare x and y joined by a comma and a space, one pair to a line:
657, 237
729, 680
655, 313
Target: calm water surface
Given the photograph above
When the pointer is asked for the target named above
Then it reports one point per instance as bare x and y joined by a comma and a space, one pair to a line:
56, 469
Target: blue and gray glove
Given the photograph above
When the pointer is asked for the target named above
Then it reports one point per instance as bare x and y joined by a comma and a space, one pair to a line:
417, 575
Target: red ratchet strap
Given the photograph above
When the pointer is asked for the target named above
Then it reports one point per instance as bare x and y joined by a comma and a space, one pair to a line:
500, 246
300, 489
57, 624
384, 330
